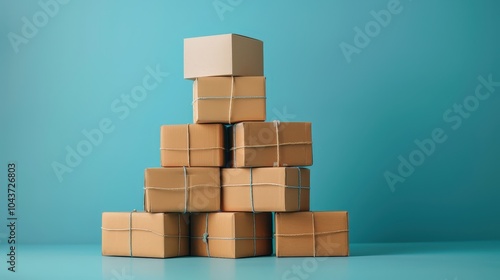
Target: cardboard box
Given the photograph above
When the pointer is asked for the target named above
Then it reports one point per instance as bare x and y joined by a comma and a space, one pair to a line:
267, 144
229, 99
265, 189
182, 189
223, 55
139, 234
199, 145
312, 234
231, 235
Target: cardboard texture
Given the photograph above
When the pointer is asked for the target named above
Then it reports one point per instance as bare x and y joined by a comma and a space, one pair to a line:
182, 189
267, 144
229, 99
199, 145
140, 234
231, 235
316, 234
265, 189
223, 55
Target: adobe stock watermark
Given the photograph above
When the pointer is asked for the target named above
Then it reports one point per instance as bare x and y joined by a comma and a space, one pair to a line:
310, 265
3, 237
373, 28
198, 202
30, 28
121, 109
283, 115
123, 275
223, 6
454, 118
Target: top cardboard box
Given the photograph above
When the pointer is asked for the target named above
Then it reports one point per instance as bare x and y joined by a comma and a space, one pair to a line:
223, 55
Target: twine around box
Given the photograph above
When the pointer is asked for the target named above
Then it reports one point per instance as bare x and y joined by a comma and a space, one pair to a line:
231, 98
206, 237
252, 184
130, 229
313, 234
185, 188
188, 148
276, 124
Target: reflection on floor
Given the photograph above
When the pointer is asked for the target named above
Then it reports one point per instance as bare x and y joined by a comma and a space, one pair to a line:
444, 261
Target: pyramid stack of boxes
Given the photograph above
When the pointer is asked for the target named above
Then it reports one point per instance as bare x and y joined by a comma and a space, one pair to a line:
223, 176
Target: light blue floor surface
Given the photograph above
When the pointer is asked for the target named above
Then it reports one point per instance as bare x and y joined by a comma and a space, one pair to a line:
451, 261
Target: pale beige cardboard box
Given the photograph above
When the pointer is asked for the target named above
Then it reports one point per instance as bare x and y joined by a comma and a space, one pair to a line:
200, 145
223, 55
312, 234
182, 189
231, 235
265, 189
139, 234
268, 144
229, 99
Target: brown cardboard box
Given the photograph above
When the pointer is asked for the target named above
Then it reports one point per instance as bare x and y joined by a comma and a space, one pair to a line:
192, 145
231, 235
229, 99
140, 234
265, 189
223, 55
182, 189
261, 144
317, 234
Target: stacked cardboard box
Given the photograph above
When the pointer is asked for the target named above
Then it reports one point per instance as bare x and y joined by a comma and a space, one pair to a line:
230, 170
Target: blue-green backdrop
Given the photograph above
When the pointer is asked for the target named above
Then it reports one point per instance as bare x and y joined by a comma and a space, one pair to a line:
369, 96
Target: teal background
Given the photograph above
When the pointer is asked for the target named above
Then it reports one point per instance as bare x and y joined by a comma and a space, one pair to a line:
365, 113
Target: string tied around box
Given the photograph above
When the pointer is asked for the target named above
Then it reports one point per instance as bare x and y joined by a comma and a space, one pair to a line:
252, 186
313, 234
299, 179
231, 101
231, 98
276, 126
186, 193
278, 144
130, 229
254, 236
186, 188
206, 237
251, 190
188, 148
